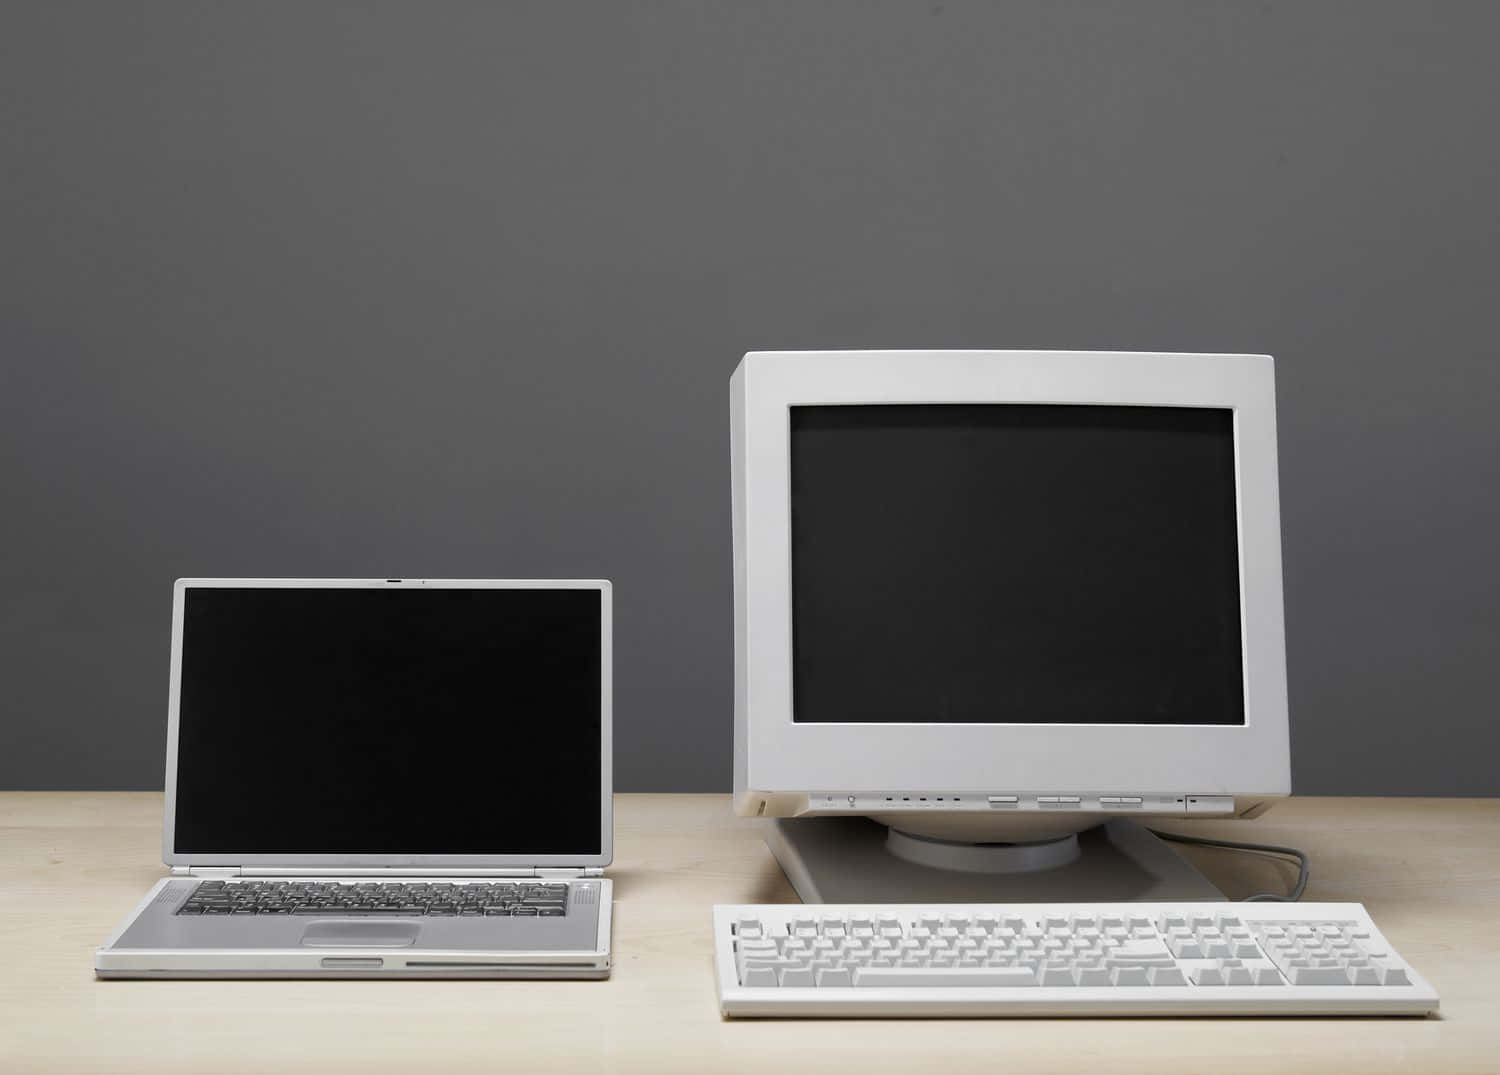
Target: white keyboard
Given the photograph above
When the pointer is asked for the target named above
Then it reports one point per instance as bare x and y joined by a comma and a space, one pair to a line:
1102, 959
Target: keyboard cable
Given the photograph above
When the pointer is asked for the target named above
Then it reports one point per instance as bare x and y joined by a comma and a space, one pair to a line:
1265, 849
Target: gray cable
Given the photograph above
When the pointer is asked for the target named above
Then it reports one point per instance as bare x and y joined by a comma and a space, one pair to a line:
1268, 849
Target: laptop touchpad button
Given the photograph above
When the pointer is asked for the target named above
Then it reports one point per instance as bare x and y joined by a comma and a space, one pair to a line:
360, 934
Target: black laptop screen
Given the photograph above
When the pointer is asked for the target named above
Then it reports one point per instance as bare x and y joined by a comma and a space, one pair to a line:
389, 721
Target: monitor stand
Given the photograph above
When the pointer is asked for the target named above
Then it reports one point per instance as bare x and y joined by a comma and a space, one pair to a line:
857, 860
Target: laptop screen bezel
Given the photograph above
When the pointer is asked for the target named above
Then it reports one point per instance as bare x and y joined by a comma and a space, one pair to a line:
406, 862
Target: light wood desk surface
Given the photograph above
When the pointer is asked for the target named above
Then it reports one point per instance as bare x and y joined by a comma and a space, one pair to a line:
73, 864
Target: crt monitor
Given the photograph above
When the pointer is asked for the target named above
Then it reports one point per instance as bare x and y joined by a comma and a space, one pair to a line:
1001, 597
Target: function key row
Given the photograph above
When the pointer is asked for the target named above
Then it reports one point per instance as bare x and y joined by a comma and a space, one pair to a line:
890, 925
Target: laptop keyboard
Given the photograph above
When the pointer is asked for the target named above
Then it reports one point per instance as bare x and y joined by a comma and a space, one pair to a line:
364, 898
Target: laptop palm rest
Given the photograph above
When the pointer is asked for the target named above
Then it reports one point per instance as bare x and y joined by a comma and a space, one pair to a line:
360, 934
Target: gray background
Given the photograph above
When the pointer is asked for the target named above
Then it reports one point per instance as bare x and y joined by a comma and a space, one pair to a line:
456, 290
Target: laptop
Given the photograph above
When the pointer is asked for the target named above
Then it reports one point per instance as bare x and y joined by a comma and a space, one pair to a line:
382, 778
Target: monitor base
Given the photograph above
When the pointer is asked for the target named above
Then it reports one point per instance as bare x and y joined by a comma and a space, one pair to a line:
849, 860
928, 851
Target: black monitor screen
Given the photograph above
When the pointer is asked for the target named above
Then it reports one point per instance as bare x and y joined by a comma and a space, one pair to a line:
396, 720
1015, 563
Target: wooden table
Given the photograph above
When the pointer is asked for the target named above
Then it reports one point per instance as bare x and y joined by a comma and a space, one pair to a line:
73, 864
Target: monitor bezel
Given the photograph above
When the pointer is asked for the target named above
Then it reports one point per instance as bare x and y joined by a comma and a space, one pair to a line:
776, 755
408, 862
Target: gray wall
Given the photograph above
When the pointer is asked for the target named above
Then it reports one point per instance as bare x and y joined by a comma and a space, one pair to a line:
456, 290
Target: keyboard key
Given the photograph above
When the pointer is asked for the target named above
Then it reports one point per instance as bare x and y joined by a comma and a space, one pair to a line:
1147, 949
943, 976
759, 976
1318, 976
1146, 962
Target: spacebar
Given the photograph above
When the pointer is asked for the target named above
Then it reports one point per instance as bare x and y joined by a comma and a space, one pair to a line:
977, 976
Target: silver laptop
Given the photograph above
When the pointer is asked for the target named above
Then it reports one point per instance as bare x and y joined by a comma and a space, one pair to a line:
382, 778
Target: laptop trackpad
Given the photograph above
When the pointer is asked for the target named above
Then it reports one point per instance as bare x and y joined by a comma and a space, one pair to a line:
360, 934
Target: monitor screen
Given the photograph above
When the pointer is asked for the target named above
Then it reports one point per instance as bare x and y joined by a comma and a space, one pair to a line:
1015, 563
404, 721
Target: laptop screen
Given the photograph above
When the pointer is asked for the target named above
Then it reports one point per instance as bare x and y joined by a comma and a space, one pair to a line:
389, 721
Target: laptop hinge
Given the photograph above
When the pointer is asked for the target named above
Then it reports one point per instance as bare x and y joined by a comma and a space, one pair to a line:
389, 871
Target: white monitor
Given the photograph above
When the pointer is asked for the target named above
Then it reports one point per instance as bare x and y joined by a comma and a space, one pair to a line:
1006, 595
